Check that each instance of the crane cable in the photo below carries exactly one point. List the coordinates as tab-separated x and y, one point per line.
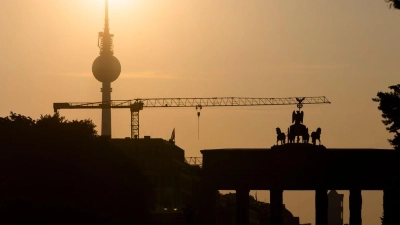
198	109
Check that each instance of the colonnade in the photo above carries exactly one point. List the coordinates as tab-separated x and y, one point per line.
276	203
321	207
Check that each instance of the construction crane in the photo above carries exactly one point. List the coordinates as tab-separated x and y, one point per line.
135	105
196	161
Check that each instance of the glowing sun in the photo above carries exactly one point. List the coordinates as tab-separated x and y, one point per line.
118	2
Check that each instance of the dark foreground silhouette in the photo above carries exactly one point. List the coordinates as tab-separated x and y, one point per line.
389	106
55	171
393	3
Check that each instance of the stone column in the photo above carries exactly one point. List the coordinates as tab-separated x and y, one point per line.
355	201
321	207
389	207
276	206
208	207
242	207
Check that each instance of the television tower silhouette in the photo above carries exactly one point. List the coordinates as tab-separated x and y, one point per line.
106	68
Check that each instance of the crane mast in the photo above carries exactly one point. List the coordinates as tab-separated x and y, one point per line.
135	105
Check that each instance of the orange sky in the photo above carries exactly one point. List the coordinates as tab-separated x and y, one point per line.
345	50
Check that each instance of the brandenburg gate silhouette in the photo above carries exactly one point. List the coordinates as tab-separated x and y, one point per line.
296	166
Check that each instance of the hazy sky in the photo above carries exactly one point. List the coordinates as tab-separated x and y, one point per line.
344	50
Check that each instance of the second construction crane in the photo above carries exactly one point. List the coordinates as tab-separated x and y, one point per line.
135	105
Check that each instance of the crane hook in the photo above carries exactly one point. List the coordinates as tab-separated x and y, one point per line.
198	109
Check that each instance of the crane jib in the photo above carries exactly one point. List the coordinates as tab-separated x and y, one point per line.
135	105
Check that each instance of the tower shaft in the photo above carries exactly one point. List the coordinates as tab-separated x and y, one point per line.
106	49
106	109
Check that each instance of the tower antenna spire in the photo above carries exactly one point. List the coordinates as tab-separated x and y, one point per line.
105	41
106	25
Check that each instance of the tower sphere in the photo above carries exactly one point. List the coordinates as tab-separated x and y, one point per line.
106	68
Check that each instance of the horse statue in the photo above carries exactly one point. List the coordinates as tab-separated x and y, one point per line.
290	136
316	135
280	136
298	129
306	136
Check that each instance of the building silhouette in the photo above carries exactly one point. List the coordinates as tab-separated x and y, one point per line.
259	212
335	208
176	183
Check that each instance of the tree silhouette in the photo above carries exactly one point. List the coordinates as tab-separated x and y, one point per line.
389	104
394	3
55	171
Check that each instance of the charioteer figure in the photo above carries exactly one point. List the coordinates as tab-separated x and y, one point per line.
298	129
297	117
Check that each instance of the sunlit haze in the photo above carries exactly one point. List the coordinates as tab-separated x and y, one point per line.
344	50
115	5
